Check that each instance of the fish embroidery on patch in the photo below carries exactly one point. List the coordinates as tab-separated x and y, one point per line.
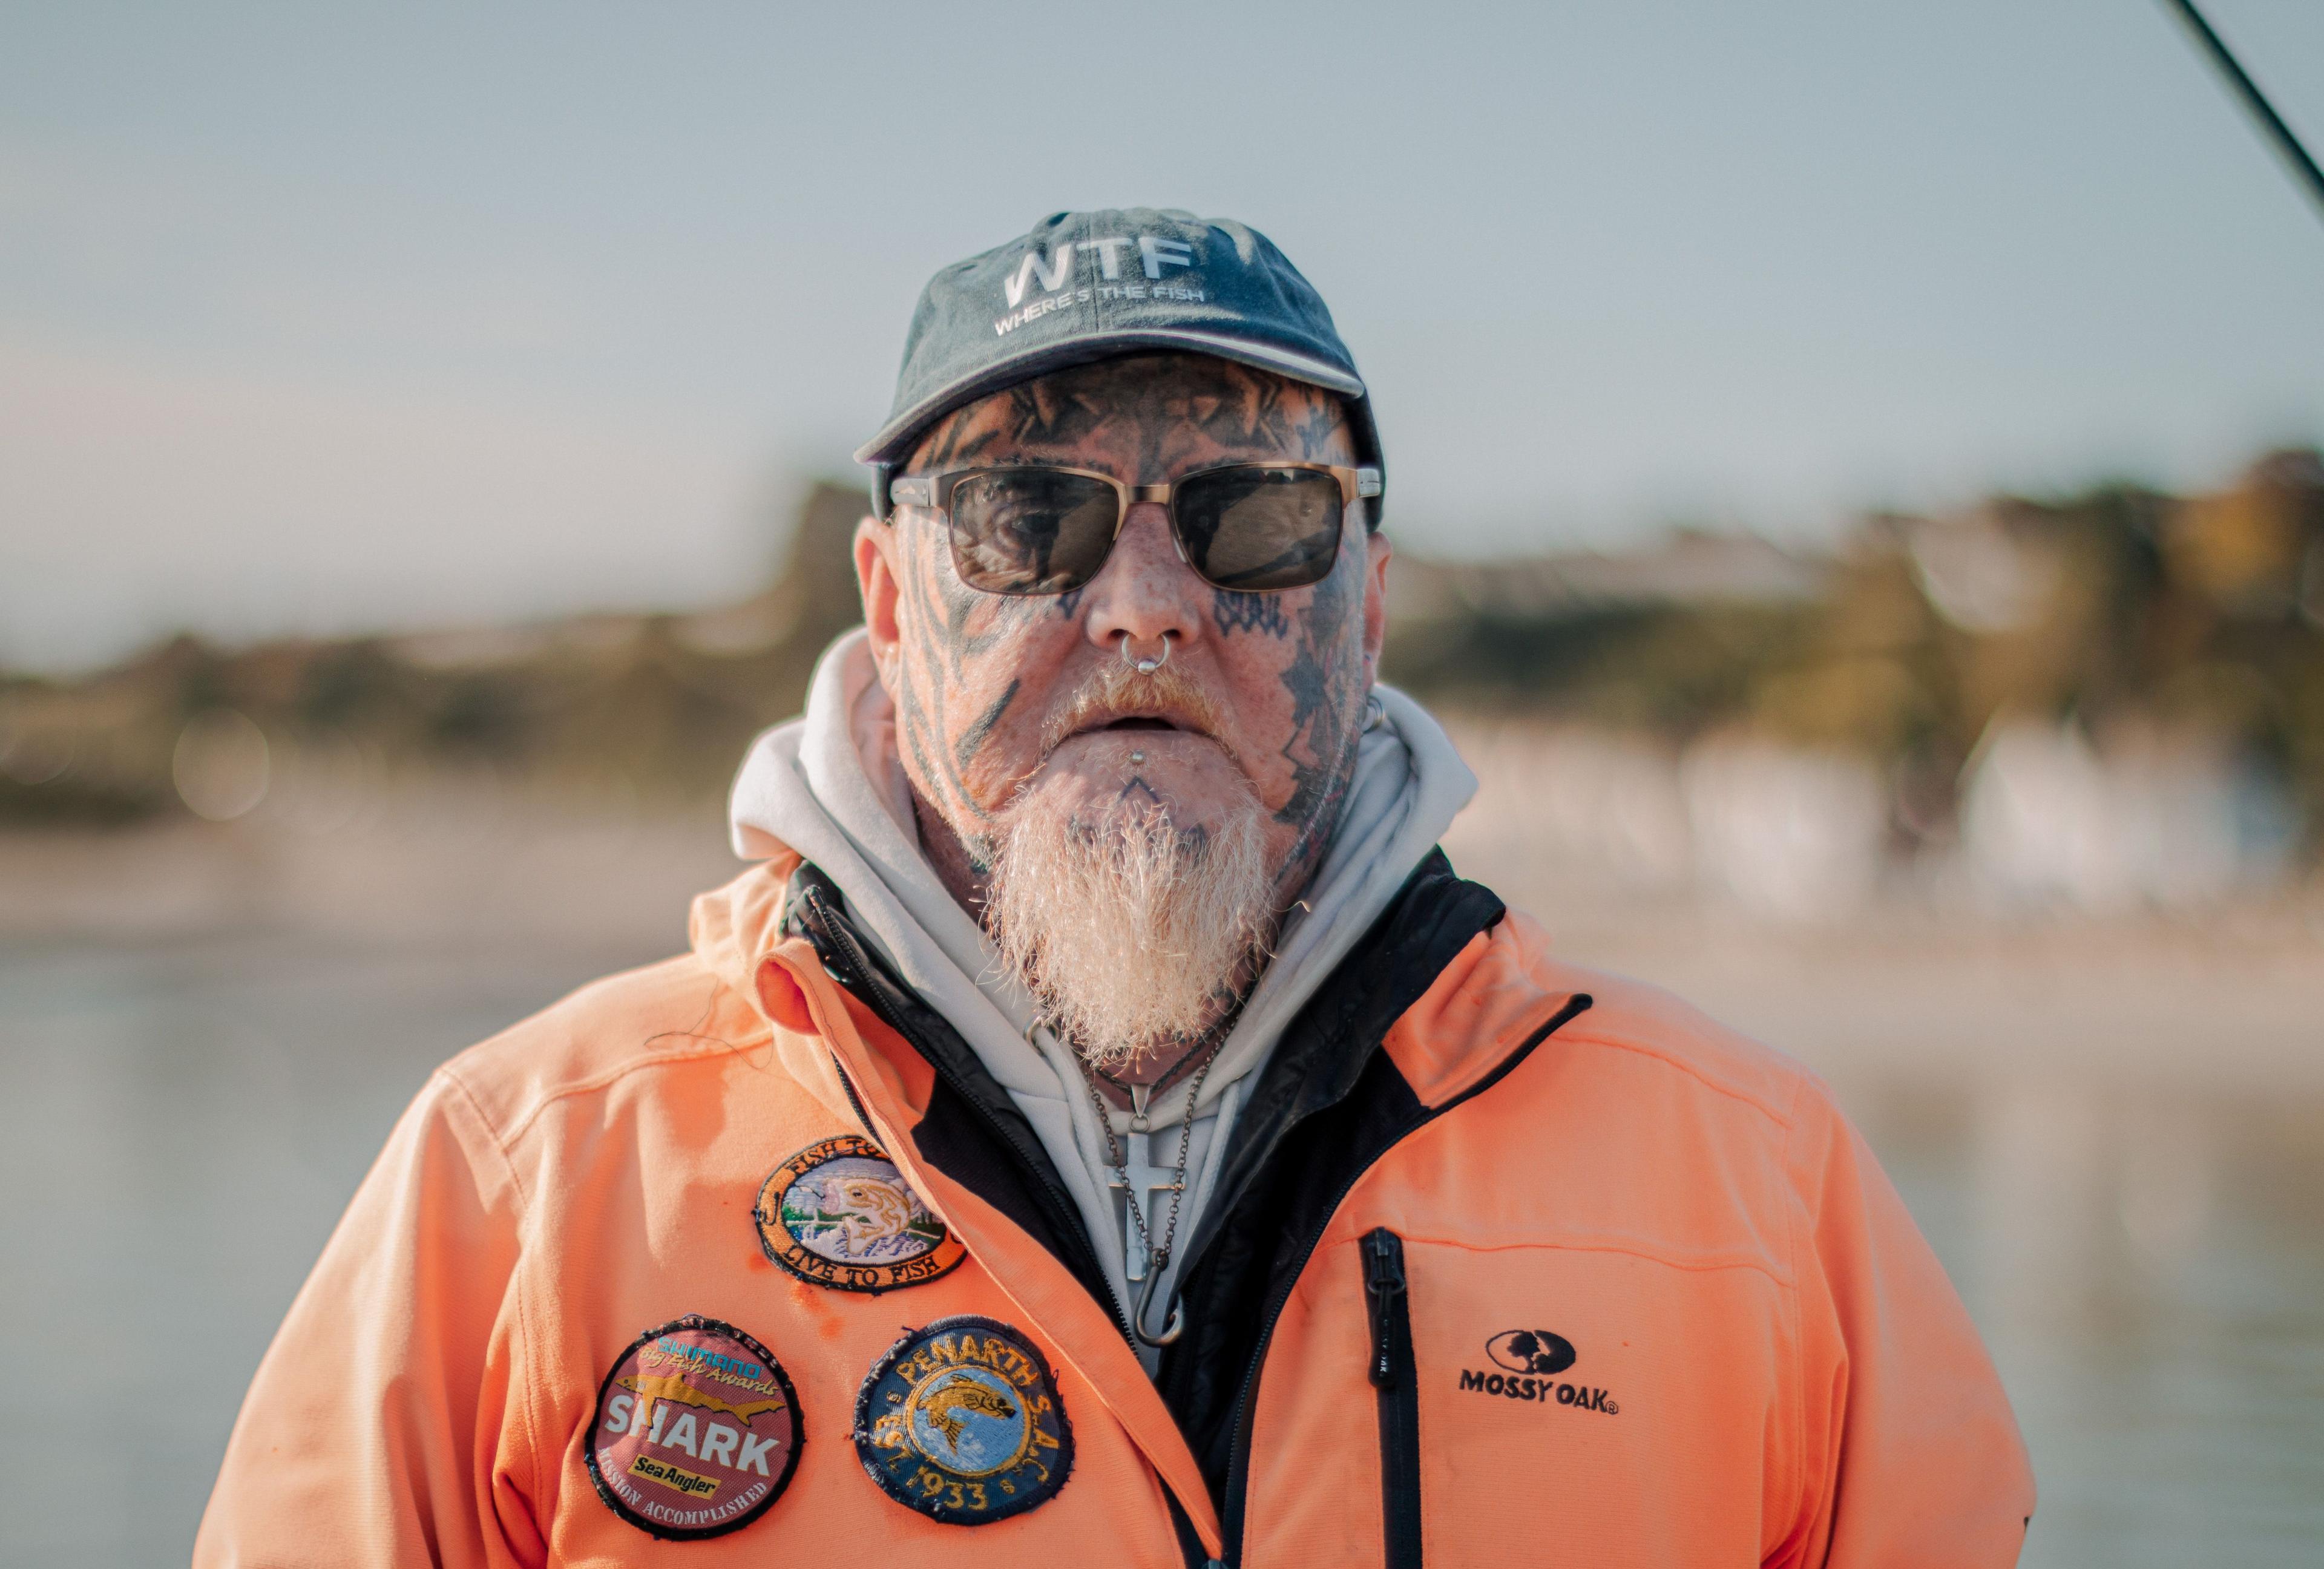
962	1421
839	1214
696	1431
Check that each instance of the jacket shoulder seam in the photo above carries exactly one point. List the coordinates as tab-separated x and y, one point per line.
452	1079
709	1045
1704	1264
529	1390
1782	1119
1795	1206
520	1351
599	1081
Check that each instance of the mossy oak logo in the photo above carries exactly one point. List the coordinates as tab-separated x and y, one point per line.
1531	1351
1527	1362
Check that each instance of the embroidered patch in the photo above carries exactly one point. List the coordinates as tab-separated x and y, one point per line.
839	1214
962	1421
696	1431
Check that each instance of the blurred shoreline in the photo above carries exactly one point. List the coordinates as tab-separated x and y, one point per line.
1913	982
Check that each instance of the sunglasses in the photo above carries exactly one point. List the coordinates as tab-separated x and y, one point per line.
1255	528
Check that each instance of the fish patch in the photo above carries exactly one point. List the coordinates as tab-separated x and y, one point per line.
962	1421
839	1214
696	1431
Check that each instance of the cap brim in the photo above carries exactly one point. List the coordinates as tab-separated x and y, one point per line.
895	437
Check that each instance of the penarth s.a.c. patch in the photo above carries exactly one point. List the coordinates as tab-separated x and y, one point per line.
962	1421
839	1214
696	1431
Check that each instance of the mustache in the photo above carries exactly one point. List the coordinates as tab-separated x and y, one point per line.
1117	690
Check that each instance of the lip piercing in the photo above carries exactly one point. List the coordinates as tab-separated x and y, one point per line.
1137	757
1146	667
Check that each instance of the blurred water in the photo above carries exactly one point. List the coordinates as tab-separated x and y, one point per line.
184	1122
2148	1271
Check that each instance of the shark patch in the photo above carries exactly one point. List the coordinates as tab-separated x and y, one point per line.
962	1421
696	1431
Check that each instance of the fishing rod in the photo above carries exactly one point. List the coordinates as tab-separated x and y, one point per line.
2254	99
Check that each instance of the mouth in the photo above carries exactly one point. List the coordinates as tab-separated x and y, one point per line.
1143	723
1157	731
1141	707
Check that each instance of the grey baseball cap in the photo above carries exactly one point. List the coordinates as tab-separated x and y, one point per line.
1087	286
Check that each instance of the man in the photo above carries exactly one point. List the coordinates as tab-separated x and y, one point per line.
1101	1125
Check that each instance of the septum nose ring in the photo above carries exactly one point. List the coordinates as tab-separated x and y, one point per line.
1146	667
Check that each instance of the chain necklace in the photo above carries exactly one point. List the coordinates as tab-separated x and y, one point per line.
1158	1258
1138	1094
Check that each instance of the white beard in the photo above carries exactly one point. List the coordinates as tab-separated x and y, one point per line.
1130	935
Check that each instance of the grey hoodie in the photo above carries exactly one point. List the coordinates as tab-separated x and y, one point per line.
831	786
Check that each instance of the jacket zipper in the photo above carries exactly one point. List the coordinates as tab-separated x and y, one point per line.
1238	1457
1394	1376
851	954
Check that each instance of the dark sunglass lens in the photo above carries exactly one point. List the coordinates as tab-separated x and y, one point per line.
1255	528
1030	530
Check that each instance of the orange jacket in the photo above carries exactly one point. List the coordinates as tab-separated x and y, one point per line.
1512	1263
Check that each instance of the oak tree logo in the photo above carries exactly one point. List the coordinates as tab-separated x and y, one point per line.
1531	1359
1531	1351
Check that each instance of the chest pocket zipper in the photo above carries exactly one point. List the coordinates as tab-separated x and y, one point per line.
1394	1376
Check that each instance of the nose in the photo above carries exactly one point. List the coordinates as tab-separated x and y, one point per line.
1144	591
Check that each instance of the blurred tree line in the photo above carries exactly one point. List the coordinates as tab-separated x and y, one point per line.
654	706
2121	610
2117	608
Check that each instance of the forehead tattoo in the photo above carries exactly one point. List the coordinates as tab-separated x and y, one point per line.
1167	401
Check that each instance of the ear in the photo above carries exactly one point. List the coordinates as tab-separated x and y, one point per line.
878	568
1376	605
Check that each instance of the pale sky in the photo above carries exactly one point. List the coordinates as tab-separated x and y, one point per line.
313	322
